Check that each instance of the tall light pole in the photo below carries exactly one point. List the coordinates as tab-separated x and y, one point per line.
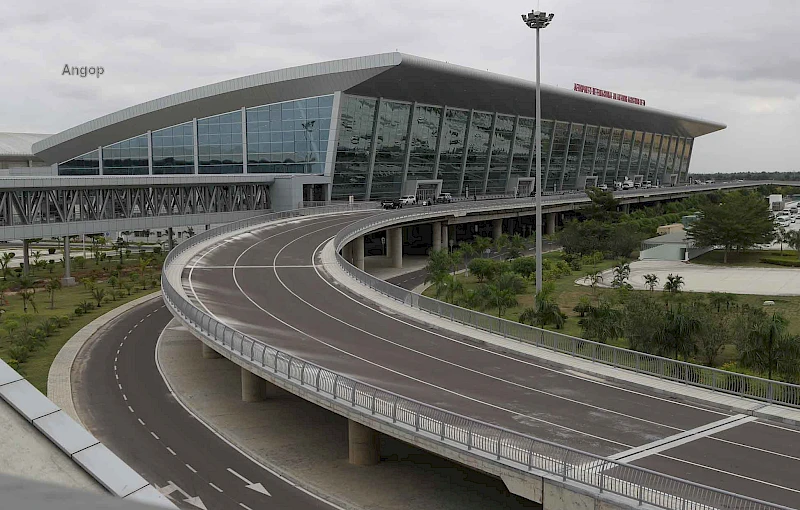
538	20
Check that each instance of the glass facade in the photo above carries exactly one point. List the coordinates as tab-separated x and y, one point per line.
452	149
289	137
390	150
173	150
356	121
501	150
86	164
382	144
128	157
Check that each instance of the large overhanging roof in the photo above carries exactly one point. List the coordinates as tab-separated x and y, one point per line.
389	75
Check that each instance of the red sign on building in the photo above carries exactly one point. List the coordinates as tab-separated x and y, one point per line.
605	93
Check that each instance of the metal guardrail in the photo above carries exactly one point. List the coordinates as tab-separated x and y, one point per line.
519	451
665	368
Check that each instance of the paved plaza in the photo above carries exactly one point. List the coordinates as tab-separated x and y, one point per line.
779	281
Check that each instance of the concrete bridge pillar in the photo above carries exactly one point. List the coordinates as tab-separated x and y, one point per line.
497	229
626	208
395	243
254	388
445	236
209	353
67	280
388	237
358	252
437	236
550	228
26	261
363	444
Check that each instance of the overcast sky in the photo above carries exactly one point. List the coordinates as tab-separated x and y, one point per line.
726	60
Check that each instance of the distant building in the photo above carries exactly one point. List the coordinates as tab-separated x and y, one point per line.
674	246
16	152
669	229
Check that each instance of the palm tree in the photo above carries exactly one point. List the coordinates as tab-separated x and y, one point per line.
762	344
651	280
593	279
622	272
27	292
544	310
5	259
674	283
53	284
503	291
792	238
454	286
144	262
482	244
681	325
602	322
781	236
98	293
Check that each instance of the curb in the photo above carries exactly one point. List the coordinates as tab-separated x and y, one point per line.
59	378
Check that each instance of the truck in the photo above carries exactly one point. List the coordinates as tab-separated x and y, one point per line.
776	202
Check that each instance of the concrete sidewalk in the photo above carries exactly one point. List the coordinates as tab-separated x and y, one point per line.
308	444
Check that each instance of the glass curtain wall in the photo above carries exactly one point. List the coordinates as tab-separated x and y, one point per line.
289	137
501	149
636	152
558	150
452	151
85	164
424	138
173	150
390	150
570	176
624	156
613	156
128	157
652	166
589	147
523	145
477	153
352	152
219	144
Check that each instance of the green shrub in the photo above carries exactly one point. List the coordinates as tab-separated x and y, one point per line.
19	352
777	261
51	251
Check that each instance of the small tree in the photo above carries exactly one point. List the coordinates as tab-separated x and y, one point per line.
674	283
27	292
98	294
5	259
651	280
52	285
622	272
593	279
482	244
482	269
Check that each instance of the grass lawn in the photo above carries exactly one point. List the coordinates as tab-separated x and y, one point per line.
37	366
750	258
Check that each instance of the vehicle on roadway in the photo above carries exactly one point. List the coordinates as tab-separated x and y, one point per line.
391	203
444	198
408	200
603	187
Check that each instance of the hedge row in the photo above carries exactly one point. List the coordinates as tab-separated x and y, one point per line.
781	261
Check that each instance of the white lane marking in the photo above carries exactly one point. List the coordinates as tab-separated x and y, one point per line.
154	435
688	436
252	267
116	376
790	489
115	366
140	421
130	331
240	477
415	379
117	352
193	470
245	506
211	484
140	321
120	386
170	450
125	397
130	409
149	314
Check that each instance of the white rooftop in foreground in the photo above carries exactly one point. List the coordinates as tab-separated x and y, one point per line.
25	452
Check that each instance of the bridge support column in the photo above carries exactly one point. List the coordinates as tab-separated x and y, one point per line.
497	229
209	353
395	244
436	243
626	208
171	238
358	252
445	236
387	236
67	280
26	261
551	224
363	444
254	388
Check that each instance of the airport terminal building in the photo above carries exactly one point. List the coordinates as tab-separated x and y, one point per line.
382	126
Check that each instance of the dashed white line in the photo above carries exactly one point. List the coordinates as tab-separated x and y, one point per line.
170	450
120	386
124	396
193	470
117	377
115	366
130	409
154	435
140	321
130	331
245	506
149	314
211	484
140	421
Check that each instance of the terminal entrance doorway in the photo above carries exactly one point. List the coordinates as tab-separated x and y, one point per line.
426	192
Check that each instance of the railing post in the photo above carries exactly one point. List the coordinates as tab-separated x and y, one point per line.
319	373
289	368
469	435
394	410
353	395
303	374
416	418
374	397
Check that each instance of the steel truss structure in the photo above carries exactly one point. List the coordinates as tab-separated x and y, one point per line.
19	206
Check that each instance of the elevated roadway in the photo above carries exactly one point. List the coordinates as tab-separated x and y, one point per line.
269	284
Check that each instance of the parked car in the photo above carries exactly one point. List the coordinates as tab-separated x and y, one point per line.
603	187
392	203
408	200
444	198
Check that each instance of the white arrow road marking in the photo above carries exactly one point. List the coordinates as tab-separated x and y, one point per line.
196	501
258	487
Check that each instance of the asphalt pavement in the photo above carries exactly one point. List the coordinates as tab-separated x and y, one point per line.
267	284
122	398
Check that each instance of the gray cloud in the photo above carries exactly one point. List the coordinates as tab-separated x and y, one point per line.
725	60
